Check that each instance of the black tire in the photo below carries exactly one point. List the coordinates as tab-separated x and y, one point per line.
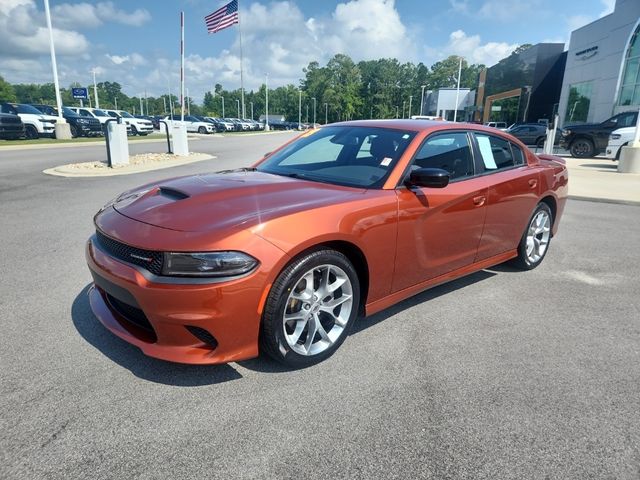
523	261
202	130
134	130
540	142
31	132
582	148
74	131
272	337
620	151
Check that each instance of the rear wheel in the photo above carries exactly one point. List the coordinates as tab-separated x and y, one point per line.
310	309
582	148
30	132
535	240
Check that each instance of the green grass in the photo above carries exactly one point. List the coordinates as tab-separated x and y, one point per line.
46	141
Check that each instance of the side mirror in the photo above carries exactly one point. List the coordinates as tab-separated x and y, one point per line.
429	178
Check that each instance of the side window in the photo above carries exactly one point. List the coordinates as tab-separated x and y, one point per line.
496	152
518	155
448	151
627	120
85	112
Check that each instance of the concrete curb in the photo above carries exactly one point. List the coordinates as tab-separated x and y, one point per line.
67	171
46	146
604	200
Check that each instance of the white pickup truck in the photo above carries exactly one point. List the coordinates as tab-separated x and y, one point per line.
618	139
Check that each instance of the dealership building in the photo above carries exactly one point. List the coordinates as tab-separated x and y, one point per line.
602	74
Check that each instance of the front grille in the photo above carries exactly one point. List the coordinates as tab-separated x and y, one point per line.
131	314
148	259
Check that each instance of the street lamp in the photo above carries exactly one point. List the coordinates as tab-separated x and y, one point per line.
422	100
238	104
266	102
251	103
95	88
299	109
410	99
455	112
326	113
222	99
314	112
403	104
397	108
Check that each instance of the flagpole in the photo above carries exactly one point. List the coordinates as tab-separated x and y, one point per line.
182	66
241	64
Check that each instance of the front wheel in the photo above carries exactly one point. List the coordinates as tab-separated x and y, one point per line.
134	130
31	132
540	142
74	131
310	309
202	130
535	240
582	148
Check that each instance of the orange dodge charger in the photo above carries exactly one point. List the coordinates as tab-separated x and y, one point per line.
345	220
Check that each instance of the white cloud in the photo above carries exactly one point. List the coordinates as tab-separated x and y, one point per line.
87	15
118	59
473	50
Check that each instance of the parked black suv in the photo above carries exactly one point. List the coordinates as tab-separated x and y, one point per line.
11	126
80	125
589	140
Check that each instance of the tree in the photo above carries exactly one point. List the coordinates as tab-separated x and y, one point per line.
522	48
7	93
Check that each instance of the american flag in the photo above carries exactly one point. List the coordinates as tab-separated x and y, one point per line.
223	17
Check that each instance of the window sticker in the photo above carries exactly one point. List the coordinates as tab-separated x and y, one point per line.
487	154
386	161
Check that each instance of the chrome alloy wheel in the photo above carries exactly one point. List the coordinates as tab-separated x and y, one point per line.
318	309
538	236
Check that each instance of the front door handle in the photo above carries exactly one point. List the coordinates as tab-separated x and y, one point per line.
533	183
479	200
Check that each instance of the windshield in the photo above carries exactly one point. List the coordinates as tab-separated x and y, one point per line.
99	113
126	115
28	109
343	155
69	113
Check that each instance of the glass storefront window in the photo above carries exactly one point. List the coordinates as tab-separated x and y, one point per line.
630	88
579	102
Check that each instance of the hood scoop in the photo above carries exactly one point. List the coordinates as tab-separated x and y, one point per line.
172	193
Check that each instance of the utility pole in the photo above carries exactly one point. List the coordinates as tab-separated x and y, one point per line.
238	103
61	132
251	103
410	99
142	109
326	113
146	102
307	113
222	98
403	105
422	100
164	103
396	111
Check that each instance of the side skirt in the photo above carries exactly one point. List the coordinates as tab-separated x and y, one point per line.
378	305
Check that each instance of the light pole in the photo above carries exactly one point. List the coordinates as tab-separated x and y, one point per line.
397	111
238	103
266	102
455	112
422	100
115	100
299	109
403	104
222	99
410	100
95	88
251	103
141	107
62	129
326	113
314	112
307	113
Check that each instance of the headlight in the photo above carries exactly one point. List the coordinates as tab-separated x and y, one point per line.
566	133
615	136
208	264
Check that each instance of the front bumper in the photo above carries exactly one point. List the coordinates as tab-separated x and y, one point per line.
230	311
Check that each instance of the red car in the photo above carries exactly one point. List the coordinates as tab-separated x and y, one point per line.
345	220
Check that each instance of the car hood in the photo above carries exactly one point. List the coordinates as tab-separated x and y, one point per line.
226	200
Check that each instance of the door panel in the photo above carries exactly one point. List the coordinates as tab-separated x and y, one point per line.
439	229
513	194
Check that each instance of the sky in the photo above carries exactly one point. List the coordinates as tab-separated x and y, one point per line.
136	43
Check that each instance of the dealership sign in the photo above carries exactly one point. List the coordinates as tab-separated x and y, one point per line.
80	93
587	53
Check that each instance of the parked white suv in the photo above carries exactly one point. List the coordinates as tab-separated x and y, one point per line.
618	139
139	126
193	124
36	123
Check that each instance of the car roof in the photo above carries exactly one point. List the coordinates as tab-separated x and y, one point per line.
417	125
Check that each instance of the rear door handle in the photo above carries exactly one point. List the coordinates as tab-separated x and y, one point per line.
533	183
479	200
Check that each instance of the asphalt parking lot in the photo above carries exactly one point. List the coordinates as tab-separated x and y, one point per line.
502	374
